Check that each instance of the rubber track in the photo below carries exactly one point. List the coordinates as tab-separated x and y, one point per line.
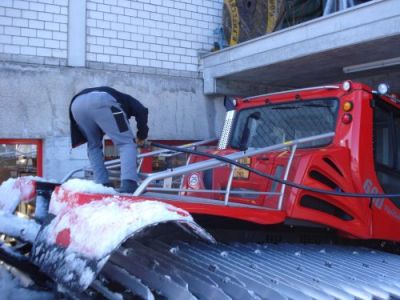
252	271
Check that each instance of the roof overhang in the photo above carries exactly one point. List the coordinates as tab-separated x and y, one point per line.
359	43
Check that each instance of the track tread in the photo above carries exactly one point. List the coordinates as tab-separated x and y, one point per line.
182	270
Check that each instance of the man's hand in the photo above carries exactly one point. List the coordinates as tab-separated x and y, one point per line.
140	142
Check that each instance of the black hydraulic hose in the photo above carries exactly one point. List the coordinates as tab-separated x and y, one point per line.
273	178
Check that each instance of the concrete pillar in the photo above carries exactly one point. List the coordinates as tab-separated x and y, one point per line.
77	33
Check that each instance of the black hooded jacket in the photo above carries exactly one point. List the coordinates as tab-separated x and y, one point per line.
131	107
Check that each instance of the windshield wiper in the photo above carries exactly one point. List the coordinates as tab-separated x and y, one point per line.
317	105
300	106
286	107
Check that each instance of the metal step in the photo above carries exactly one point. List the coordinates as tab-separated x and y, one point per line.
182	270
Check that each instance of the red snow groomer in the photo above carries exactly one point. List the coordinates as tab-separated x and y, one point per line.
301	195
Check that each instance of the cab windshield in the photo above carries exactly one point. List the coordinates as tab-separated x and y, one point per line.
272	124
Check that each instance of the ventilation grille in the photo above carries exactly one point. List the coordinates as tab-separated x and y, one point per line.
325	207
333	165
323	179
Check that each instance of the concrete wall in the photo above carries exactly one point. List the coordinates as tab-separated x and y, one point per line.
34	103
149	49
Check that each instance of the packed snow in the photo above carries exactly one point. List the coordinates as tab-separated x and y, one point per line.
87	186
68	195
19	288
13	191
18	227
16	190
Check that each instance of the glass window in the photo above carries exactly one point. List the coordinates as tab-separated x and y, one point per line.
386	147
20	158
273	124
397	139
387	137
383	139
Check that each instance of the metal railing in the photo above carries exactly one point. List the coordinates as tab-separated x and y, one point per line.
214	163
291	146
116	163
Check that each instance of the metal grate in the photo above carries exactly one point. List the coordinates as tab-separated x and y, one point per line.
226	131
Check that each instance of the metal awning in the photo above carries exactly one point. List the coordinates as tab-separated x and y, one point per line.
360	43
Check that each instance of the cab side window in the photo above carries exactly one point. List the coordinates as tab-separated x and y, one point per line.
397	140
384	138
387	147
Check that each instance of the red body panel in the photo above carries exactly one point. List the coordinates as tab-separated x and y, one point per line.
348	162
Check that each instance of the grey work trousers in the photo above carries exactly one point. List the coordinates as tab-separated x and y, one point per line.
97	113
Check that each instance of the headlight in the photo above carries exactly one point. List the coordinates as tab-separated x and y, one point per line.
346	86
383	88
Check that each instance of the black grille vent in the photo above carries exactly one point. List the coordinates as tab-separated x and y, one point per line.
333	165
323	179
325	207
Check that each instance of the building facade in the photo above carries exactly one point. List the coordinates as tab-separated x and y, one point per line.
52	49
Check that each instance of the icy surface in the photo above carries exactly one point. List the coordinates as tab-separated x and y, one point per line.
13	191
14	226
87	186
10	288
73	187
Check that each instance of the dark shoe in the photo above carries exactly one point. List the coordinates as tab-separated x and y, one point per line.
128	186
108	184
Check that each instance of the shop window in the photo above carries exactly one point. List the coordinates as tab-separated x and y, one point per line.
20	157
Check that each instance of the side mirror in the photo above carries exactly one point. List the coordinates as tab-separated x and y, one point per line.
229	103
249	130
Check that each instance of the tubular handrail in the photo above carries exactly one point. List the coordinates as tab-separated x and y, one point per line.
116	162
213	163
285	176
154	189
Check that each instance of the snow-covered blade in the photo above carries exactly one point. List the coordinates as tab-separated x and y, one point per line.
13	226
16	190
74	246
13	191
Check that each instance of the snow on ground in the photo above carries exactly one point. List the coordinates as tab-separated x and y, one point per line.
12	287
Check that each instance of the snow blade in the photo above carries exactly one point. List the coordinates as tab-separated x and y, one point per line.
74	246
